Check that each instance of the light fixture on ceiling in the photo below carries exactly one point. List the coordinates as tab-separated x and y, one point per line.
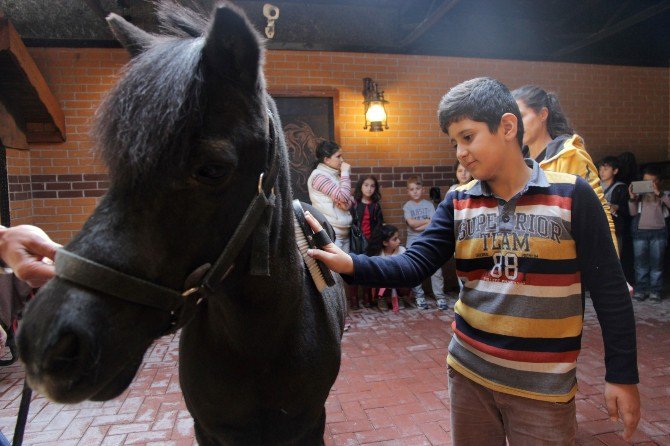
375	106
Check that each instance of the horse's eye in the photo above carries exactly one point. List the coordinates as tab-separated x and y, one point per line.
212	173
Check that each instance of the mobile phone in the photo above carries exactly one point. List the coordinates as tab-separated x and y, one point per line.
642	187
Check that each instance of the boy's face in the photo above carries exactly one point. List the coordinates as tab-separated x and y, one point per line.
415	191
481	152
650	177
607	172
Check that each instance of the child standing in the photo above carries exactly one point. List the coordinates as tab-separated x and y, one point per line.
418	214
385	242
650	237
462	176
616	194
529	242
368	212
368	206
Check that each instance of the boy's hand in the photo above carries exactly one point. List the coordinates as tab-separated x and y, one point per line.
623	403
334	258
632	195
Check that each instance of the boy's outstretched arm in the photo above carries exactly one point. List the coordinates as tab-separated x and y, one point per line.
334	258
623	403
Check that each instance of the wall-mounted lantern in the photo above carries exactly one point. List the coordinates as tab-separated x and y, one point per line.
375	106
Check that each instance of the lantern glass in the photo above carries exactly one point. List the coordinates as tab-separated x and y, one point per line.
376	112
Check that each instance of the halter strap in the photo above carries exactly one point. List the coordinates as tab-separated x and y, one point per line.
224	264
98	277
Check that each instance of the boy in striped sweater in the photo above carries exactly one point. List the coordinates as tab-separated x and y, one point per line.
527	244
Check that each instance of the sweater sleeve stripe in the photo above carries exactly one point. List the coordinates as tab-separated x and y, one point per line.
339	192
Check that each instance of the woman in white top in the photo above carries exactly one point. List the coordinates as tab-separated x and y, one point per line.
329	187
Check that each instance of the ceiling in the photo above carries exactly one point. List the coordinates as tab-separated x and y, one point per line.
619	32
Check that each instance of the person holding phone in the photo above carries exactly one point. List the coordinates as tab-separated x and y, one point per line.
649	206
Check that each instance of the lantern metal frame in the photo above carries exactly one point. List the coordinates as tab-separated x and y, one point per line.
374	98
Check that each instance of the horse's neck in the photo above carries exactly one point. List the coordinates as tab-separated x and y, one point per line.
259	309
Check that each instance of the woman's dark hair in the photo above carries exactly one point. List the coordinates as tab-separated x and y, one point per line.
536	98
324	150
380	235
627	167
358	193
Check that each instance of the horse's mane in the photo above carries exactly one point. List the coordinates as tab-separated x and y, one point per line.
149	116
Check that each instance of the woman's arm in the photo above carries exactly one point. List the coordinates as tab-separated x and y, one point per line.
340	193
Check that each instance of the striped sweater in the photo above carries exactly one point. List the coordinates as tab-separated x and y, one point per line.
524	263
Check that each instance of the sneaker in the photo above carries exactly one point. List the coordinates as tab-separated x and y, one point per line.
654	297
442	304
381	304
639	296
421	303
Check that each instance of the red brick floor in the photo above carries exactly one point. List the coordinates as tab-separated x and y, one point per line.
391	390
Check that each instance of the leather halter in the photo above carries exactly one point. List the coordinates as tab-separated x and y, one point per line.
182	305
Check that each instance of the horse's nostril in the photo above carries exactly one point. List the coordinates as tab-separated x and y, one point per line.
65	356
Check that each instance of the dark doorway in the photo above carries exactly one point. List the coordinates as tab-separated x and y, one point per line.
4	187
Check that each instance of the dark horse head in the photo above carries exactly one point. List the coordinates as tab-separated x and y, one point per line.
186	134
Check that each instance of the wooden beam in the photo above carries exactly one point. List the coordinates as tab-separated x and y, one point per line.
52	129
616	28
428	23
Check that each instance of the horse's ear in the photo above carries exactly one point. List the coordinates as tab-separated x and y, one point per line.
131	37
233	47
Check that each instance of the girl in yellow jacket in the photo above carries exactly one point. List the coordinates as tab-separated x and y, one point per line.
549	139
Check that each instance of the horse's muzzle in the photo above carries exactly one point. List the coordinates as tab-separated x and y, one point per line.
58	347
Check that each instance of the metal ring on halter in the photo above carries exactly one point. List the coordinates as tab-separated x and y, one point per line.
260	183
190	291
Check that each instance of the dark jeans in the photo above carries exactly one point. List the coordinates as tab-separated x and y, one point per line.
649	248
3	440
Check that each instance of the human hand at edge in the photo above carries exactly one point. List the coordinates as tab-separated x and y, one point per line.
24	248
623	403
333	257
657	191
344	205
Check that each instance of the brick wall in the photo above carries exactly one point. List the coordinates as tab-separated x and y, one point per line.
614	108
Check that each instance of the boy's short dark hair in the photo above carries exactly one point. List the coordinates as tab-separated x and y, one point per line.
611	161
482	99
414	179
